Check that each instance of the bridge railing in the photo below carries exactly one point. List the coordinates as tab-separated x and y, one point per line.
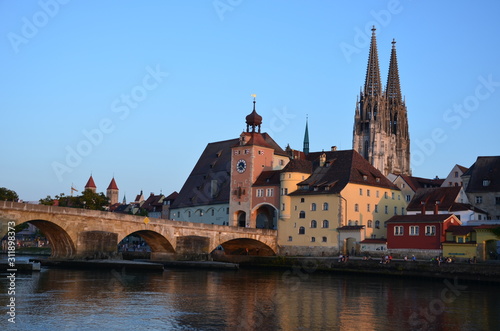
10	205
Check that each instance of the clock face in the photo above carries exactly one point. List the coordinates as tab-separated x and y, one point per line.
241	166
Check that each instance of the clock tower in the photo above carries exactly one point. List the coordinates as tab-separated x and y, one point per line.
252	155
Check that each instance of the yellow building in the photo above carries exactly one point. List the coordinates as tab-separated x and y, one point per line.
467	242
333	204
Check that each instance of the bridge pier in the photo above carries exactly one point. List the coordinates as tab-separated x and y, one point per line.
97	245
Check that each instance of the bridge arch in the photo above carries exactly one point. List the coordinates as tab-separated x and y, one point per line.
156	241
61	244
246	246
265	216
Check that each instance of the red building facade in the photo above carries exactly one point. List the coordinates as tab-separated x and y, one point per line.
419	231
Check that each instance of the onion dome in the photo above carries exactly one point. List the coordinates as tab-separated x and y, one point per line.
253	120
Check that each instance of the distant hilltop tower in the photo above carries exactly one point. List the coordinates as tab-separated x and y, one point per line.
91	185
380	132
112	192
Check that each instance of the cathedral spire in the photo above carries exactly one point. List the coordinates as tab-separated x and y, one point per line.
306	139
393	92
373	84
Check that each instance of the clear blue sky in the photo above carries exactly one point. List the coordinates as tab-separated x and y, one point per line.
136	89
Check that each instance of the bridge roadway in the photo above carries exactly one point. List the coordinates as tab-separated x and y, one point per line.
82	233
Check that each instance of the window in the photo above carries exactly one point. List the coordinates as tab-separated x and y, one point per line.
213	212
392	195
302	214
325	206
486	182
313	206
413	230
189	213
430	230
260	192
377	194
456	174
398	230
395	210
408	198
326	224
269	192
302	230
302	199
314	224
386	209
479	199
376	208
368	207
370	223
360	191
323	239
282	206
290	238
313	239
356	207
377	224
367	193
386	195
497	200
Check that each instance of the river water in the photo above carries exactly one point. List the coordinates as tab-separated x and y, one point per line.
300	298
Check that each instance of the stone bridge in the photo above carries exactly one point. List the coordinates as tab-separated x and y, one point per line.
83	233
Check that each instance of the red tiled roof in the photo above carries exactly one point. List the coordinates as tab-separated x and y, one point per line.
418	182
445	195
90	183
268	178
428	218
298	165
486	168
112	185
341	168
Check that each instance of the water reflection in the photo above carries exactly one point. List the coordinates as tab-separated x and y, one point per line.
247	300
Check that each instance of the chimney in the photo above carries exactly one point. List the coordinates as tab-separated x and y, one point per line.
436	207
422	204
334	148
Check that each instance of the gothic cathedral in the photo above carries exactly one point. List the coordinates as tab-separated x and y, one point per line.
380	123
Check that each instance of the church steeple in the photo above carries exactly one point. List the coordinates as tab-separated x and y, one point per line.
373	84
380	121
306	140
393	92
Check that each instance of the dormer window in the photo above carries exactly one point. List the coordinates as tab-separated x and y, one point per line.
377	179
365	177
486	182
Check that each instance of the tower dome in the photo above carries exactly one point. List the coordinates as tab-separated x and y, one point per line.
253	120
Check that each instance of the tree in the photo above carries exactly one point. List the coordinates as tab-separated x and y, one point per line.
48	201
8	195
88	200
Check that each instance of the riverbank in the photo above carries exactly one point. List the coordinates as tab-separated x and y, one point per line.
480	272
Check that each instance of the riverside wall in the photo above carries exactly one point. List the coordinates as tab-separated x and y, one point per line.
481	272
